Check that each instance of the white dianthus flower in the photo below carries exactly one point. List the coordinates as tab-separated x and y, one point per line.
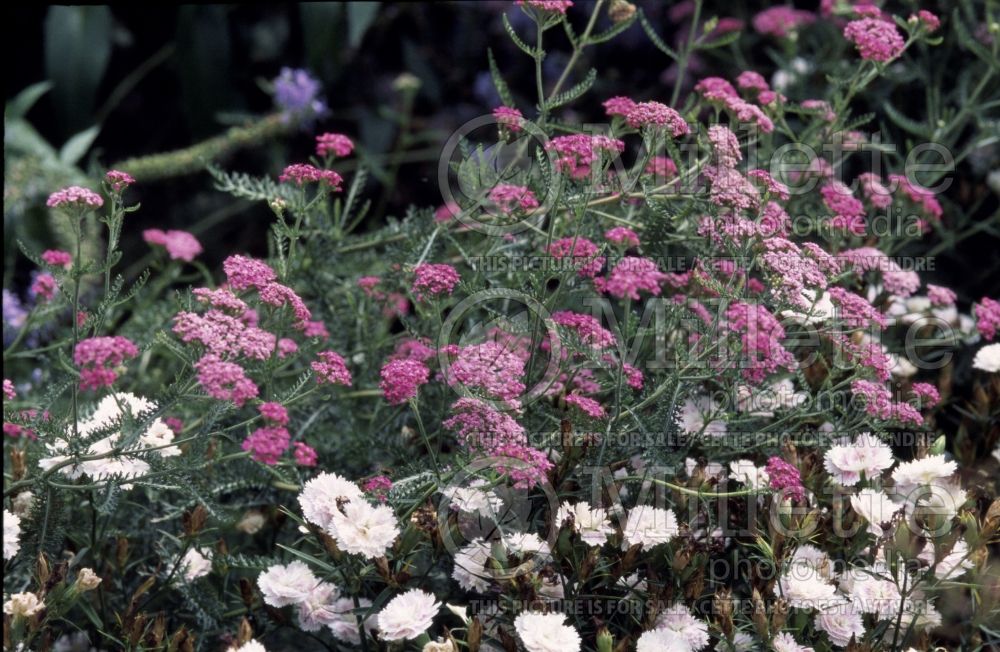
650	526
365	530
753	476
591	524
742	642
928	470
784	642
952	565
322	496
11	535
345	626
524	544
408	615
470	566
662	640
679	620
840	624
875	595
249	646
546	633
477	498
988	358
23	604
806	587
285	585
813	559
848	460
876	508
319	609
195	564
696	414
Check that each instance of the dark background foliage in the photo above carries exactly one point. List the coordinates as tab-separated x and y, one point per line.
161	77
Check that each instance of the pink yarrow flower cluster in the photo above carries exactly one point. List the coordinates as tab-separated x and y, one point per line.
781	21
876	39
484	431
118	180
180	245
303	173
555	6
760	335
225	381
74	197
97	358
402	378
587	328
622	236
720	91
274	413
577	154
44	286
378	487
631	275
878	402
305	455
655	114
509	118
587	405
510	198
434	279
8	389
490	367
333	144
267	444
583	255
331	368
987	313
848	211
782	476
57	258
245	273
940	296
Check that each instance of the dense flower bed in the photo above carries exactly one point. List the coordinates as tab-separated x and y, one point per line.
651	385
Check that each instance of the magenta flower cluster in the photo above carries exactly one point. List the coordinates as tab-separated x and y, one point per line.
98	357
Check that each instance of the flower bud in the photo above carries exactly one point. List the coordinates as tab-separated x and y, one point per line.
251	523
439	646
87	580
475	635
759	615
620	10
779	615
605	641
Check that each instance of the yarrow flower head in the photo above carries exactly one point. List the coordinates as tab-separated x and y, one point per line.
554	6
785	477
509	118
244	273
618	106
577	154
43	286
226	381
118	180
267	444
97	358
304	454
987	313
303	173
57	258
434	279
782	21
655	114
876	39
334	144
622	236
510	198
582	253
74	197
402	378
331	368
587	405
180	245
631	275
